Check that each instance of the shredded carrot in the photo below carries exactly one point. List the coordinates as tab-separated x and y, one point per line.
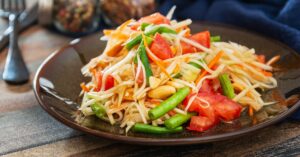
84	87
261	58
156	60
250	111
269	74
248	94
210	65
238	86
273	60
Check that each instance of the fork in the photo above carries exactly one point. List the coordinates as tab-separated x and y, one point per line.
15	70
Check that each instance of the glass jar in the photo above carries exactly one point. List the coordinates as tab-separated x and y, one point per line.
115	12
70	16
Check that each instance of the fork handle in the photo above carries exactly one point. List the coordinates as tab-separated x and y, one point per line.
15	70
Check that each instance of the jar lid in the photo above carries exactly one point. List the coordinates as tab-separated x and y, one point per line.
45	12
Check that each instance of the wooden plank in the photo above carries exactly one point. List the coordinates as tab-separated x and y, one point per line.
29	128
287	148
63	148
20	97
282	137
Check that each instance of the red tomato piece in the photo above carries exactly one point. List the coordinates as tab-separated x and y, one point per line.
161	48
202	38
187	48
227	110
193	107
220	108
201	123
224	108
109	83
207	87
202	108
155	18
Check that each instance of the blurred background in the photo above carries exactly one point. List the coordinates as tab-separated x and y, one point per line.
52	23
76	18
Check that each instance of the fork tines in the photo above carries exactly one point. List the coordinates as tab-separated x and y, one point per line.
12	6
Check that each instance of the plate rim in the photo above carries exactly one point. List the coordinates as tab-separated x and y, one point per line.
150	140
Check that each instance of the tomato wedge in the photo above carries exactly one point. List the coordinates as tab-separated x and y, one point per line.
200	107
155	18
207	87
219	108
109	83
202	38
224	108
200	123
187	48
161	48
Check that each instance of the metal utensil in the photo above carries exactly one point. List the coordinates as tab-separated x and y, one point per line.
15	70
26	19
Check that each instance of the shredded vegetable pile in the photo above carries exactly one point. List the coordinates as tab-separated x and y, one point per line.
154	76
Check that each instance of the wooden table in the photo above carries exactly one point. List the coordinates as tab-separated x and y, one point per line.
27	130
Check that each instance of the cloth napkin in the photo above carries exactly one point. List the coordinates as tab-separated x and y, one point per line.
278	19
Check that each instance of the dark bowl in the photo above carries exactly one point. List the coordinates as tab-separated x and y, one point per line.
56	87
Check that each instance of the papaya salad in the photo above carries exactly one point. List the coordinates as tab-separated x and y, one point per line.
155	76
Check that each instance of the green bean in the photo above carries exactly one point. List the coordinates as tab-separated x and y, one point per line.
149	41
215	38
145	61
226	86
133	42
98	109
163	29
137	40
169	104
144	25
178	120
159	29
144	128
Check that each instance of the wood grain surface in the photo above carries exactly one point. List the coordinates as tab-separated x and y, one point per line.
27	130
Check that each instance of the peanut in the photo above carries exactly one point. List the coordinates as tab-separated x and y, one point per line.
161	92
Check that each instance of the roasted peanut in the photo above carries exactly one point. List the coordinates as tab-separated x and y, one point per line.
162	92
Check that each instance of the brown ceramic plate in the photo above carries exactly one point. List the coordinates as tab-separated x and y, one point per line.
56	87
